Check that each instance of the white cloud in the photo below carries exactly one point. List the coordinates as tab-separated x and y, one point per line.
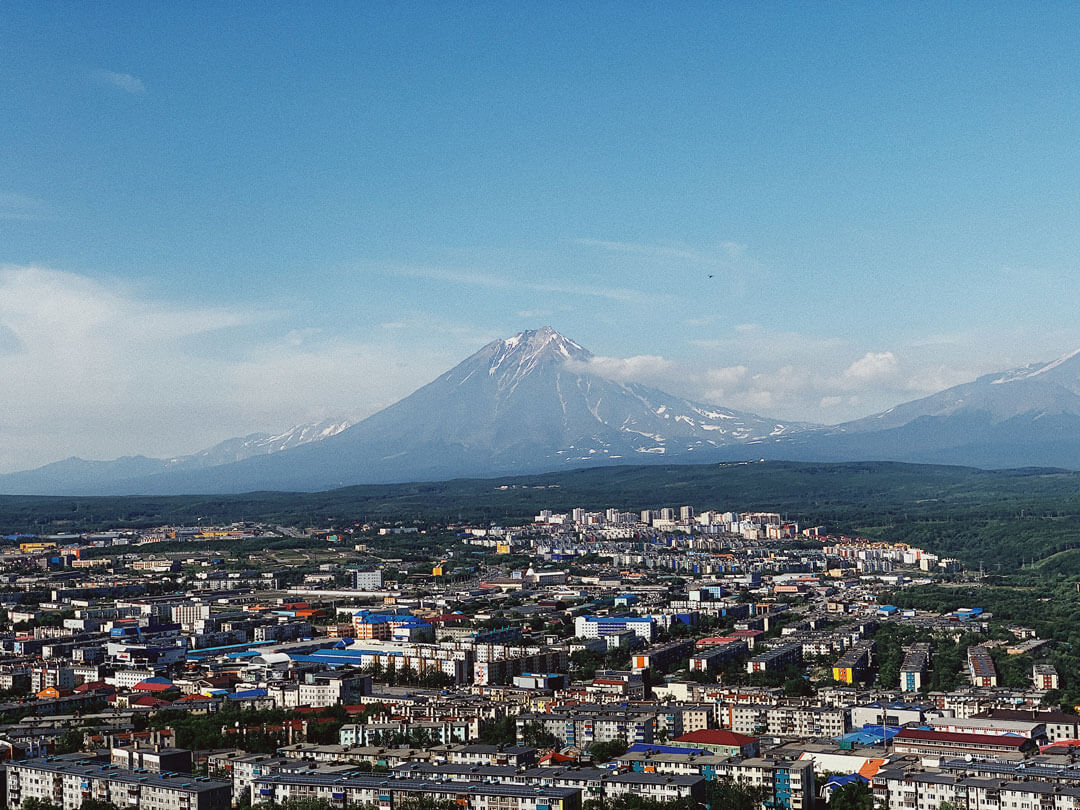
97	368
833	402
640	368
732	375
123	81
872	366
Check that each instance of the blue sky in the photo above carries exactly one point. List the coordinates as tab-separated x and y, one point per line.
221	218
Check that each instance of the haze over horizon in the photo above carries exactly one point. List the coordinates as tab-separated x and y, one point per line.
219	220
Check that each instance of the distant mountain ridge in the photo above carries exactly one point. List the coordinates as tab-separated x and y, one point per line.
531	403
1024	417
521	405
77	476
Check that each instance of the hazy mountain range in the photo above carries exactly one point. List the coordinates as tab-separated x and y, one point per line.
530	404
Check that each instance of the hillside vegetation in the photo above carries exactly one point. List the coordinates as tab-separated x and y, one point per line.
1001	518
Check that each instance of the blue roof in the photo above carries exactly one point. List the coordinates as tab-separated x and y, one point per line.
341	657
203	652
870	735
846	779
899	704
247	694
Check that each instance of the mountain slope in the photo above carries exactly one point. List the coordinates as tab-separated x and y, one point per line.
522	405
531	404
77	476
1028	416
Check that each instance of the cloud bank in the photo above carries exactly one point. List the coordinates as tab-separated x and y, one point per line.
101	369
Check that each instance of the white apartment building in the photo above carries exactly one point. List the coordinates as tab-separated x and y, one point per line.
44	676
69	783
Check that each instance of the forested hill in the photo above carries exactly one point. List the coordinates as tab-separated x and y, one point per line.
997	517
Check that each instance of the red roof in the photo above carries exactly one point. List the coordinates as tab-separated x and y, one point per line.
555	756
716	736
155	684
149	700
1061	746
446	618
915	734
94	686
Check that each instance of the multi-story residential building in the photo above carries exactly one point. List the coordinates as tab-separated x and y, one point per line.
283	631
744	718
320	690
788	784
1032	727
440	732
385	793
45	676
715	656
242	769
913	669
479	754
805	721
584	729
188	613
981	667
660	657
657	788
503	669
597	626
1045	676
69	782
774	659
456	662
154	759
367	580
127	678
855	663
928	790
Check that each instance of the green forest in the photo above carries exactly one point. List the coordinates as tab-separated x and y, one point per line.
1049	606
1000	519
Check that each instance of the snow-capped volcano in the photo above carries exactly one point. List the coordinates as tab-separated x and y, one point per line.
534	402
529	403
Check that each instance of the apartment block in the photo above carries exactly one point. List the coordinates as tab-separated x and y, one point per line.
777	658
70	782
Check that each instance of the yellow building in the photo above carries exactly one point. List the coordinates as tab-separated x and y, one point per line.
32	548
